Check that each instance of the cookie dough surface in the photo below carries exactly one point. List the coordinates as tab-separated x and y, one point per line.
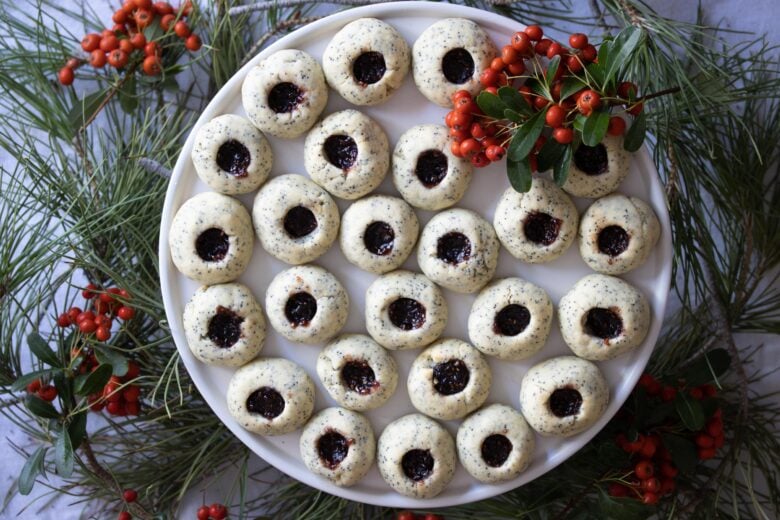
347	153
295	219
618	233
495	443
537	226
357	372
563	396
306	304
404	310
338	444
224	325
599	170
510	319
211	238
367	61
270	396
231	155
449	56
458	250
378	233
416	456
449	379
285	94
602	317
425	172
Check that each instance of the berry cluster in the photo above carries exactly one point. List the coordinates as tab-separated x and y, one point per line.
484	139
409	515
118	397
215	511
97	319
127	42
129	496
46	392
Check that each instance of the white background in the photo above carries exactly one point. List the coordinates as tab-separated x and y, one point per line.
757	16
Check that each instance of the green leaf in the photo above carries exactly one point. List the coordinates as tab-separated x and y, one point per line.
707	368
571	85
605	52
659	413
513	99
552	69
636	134
595	128
512	115
690	411
64	386
683	451
113	358
41	350
549	154
627	508
620	54
24	380
596	71
77	429
127	97
525	136
41	408
561	168
63	455
579	122
95	381
83	110
491	105
32	468
519	173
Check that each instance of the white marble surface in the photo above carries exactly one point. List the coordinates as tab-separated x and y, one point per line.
758	16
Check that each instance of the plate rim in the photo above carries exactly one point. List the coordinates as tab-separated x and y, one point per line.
167	270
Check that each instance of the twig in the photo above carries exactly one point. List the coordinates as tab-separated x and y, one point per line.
109	96
152	166
672	182
281	26
633	15
670	90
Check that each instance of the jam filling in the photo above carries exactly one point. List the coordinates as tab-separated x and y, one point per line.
541	228
369	67
359	377
417	464
457	66
613	240
565	402
300	309
265	401
511	320
450	377
299	222
431	168
212	245
225	327
495	450
332	448
592	160
603	323
341	151
407	314
284	97
453	248
233	157
379	238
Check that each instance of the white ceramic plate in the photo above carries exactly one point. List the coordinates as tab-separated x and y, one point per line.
404	109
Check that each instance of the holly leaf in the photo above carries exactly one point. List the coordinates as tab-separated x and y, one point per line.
63	454
32	468
82	111
41	408
690	411
636	134
24	380
127	97
561	167
41	350
595	128
684	453
526	135
94	381
621	50
552	69
707	368
519	173
77	429
113	358
491	105
513	99
549	154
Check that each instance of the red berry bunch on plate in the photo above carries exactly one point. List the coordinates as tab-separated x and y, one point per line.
215	511
142	31
101	309
541	99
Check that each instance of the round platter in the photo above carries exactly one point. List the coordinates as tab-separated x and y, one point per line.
407	108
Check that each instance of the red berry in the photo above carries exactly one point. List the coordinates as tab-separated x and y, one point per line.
489	78
720	440
517	68
114	408
119	16
533	163
186	8
668	470
203	513
477	131
63	320
117	58
588	101
521	42
90	42
124	515
540	102
652	485
138	40
431	516
542	47
667	486
125	313
88	292
34	386
143	4
526	93
539	143
709	390
509	54
495	153
578	41
650	498
102	333
131	393
654	389
109	43
167	21
534	32
218	511
143	18
133	408
497	64
648	448
133	370
627	90
152	65
493	90
461	120
706	453
126	45
715	427
86	315
405	515
459	135
644	469
464	104
130	495
636	109
469	146
555	116
73	314
704	441
646	380
480	160
461	94
162	8
588	54
563	135
181	29
193	43
105	33
696	393
455	148
87	326
97	58
574	64
47	393
555	49
617	490
65	76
